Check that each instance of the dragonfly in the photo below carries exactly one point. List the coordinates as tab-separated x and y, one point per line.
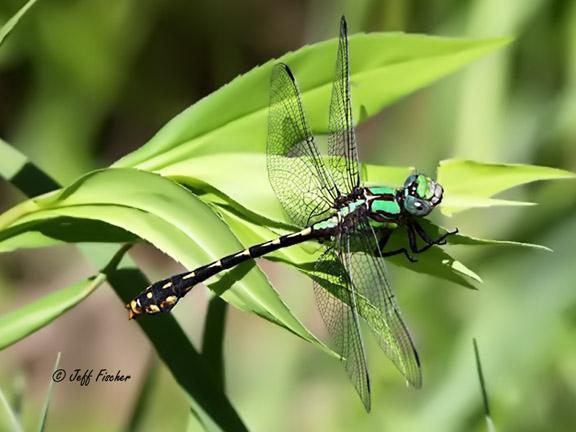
352	224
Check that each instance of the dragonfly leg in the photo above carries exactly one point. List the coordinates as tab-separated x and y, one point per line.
382	243
440	240
398	252
415	228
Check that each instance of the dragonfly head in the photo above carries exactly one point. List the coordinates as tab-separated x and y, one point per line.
421	195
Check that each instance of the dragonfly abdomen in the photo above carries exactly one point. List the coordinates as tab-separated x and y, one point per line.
163	295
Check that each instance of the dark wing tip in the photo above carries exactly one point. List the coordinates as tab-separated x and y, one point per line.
367	399
288	71
280	68
343	25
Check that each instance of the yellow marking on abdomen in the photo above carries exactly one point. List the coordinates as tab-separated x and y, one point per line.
152	309
189	275
169	301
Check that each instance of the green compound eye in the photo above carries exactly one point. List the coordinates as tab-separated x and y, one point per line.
423	188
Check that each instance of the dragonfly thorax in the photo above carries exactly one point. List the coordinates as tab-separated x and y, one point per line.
390	206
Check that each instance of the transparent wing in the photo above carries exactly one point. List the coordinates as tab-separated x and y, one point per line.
343	163
295	169
376	302
336	302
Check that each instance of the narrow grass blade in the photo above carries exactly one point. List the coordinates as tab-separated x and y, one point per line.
136	421
13	421
18	324
22	322
11	23
489	423
44	414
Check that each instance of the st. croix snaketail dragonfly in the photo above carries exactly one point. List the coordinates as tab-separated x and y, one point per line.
351	222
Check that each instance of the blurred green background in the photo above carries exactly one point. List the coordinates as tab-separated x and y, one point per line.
83	82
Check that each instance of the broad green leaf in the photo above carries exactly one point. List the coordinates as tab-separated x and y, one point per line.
259	199
63	230
170	342
435	231
220	173
11	23
27	240
384	68
167	215
470	184
435	262
228	174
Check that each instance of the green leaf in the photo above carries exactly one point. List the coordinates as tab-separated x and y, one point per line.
7	28
18	170
233	119
219	174
168	216
242	204
438	263
27	240
18	324
167	337
434	231
468	184
63	230
435	262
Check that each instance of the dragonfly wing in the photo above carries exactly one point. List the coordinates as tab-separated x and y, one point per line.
295	169
335	300
376	302
343	163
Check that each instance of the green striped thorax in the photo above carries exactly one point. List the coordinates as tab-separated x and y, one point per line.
388	207
418	197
